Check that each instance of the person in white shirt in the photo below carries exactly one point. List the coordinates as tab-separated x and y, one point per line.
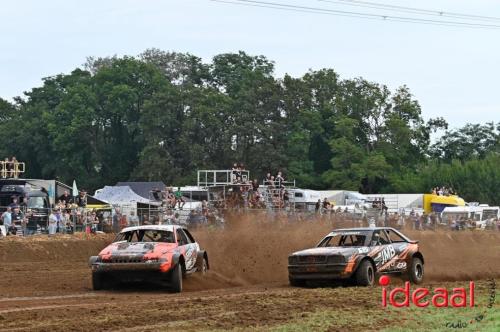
52	222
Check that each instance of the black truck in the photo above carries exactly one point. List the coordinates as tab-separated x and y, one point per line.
29	196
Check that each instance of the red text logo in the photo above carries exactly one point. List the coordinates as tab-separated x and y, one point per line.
422	297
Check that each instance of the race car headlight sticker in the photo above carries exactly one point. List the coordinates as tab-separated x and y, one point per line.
163	260
152	260
336	259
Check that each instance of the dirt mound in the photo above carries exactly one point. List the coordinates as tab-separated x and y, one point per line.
57	249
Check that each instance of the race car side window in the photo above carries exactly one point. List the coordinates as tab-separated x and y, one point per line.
379	238
189	236
181	237
395	237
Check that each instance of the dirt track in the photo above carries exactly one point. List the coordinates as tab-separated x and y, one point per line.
45	283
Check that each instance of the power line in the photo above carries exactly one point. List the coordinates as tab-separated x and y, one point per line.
413	10
332	12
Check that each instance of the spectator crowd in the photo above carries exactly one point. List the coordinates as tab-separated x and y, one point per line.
443	191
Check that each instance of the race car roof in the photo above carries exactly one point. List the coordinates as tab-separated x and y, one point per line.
367	229
358	229
170	228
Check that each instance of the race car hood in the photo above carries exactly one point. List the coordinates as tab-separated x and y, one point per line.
327	251
137	248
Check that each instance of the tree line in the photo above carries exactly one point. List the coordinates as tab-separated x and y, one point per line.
163	115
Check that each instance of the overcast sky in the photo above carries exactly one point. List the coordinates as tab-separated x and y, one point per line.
453	72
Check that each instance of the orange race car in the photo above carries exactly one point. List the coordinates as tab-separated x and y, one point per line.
358	254
163	254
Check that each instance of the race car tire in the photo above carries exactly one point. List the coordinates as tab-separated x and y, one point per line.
176	279
365	274
416	271
204	266
97	281
297	282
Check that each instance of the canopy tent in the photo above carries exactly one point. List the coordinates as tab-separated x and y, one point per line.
94	203
144	189
122	195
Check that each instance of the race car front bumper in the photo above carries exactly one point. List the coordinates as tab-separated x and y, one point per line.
108	267
132	271
129	263
318	271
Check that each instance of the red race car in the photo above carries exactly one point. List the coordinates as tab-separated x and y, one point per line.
163	254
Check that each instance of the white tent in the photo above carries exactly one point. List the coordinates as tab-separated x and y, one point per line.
122	196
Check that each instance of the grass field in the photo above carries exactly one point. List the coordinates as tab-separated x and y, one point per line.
369	315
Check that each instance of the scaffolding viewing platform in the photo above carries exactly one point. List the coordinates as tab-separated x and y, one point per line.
235	189
211	178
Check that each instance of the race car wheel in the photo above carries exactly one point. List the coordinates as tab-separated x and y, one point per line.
416	271
365	274
297	282
204	267
176	280
97	281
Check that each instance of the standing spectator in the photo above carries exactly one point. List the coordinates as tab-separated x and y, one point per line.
286	198
401	221
279	180
255	185
116	221
267	179
93	221
14	203
18	220
81	199
234	172
133	219
65	224
123	221
326	204
53	223
239	170
31	223
169	218
204	208
24	204
179	199
318	205
271	183
66	198
6	219
416	222
15	165
169	198
10	167
383	206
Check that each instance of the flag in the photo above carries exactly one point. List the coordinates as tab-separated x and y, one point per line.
75	189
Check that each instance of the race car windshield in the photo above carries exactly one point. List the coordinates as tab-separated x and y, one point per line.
348	239
149	235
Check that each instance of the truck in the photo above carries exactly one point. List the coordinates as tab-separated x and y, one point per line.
54	188
37	198
40	195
